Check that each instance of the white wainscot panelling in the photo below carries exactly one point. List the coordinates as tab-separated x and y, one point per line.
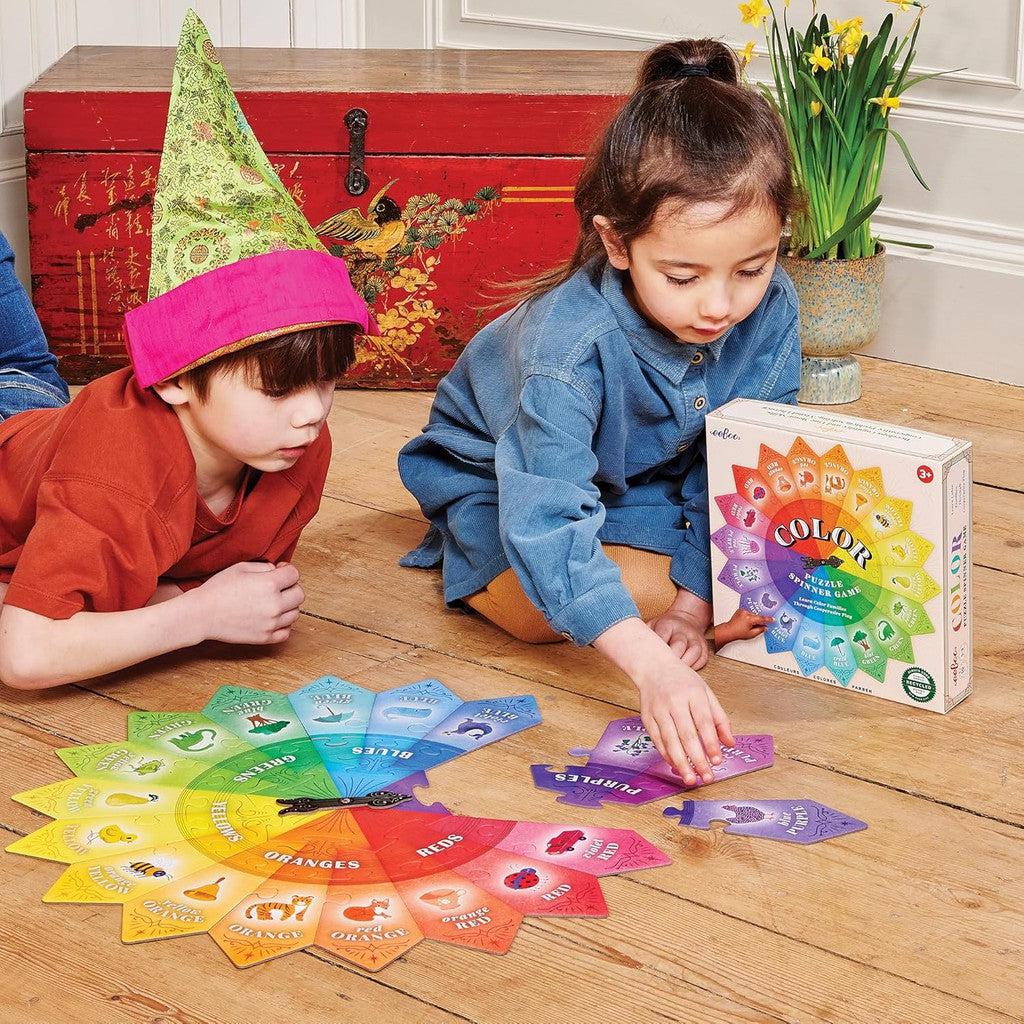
952	315
990	50
158	22
401	24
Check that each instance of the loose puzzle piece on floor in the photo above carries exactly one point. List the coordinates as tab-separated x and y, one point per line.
791	821
265	821
625	767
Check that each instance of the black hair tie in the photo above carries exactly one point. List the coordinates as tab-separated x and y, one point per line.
692	70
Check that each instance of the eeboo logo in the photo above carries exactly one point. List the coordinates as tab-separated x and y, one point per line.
725	434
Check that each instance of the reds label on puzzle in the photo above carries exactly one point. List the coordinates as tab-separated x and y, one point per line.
855	538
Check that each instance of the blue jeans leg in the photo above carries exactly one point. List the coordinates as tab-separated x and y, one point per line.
28	370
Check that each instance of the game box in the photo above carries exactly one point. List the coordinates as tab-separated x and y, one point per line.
855	538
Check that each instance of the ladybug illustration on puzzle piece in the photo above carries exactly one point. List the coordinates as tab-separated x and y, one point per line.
527	878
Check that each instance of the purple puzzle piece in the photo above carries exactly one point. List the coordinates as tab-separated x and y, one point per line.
408	786
625	767
750	754
791	821
626	744
589	786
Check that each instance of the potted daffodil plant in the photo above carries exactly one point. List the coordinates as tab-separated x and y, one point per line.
834	85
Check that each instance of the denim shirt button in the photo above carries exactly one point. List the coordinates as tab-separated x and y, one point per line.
682	446
700	403
566	636
698	358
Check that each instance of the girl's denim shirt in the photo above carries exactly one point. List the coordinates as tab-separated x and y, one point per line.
570	421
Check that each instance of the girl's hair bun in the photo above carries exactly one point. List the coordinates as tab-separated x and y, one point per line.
696	58
677	140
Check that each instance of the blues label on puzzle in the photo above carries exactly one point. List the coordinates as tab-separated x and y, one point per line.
791	821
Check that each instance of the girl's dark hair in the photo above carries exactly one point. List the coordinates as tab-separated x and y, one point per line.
286	363
683	138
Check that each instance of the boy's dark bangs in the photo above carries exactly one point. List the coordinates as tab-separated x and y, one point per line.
300	359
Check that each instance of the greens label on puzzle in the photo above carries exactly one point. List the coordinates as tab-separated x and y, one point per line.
855	538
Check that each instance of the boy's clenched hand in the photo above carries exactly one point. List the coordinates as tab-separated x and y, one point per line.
248	603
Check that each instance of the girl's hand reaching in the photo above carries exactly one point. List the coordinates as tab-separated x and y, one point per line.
685	720
679	711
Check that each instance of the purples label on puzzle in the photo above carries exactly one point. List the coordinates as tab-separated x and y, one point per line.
854	537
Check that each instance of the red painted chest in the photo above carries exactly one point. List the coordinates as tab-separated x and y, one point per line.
469	159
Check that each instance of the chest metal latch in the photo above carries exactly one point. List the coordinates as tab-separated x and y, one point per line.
357	181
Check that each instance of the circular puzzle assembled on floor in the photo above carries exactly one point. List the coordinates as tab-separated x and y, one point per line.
277	822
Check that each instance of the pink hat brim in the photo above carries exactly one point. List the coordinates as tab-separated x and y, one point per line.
238	304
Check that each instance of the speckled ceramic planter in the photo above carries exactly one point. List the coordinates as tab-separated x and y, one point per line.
840	309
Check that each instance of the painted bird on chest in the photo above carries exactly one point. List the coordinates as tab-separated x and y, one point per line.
376	234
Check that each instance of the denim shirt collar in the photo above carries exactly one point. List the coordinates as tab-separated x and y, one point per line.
667	355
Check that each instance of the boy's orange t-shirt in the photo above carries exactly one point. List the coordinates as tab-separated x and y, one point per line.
98	503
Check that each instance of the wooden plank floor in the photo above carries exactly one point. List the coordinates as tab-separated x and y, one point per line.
920	919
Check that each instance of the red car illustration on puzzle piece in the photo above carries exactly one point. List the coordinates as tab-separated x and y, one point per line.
565	841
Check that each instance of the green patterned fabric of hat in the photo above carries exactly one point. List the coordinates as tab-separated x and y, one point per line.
218	200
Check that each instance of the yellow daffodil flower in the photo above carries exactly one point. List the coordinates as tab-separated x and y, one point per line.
886	101
746	55
818	59
849	44
815	108
901	4
849	33
754	12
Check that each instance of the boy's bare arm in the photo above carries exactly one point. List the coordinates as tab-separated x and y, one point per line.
249	603
37	652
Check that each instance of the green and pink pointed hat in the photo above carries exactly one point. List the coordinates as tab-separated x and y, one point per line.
234	261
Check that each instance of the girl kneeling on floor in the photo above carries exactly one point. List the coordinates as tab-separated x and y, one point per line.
563	466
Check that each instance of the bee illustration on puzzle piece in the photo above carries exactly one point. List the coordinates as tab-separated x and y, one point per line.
143	869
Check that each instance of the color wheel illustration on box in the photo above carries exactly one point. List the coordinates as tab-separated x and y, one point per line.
818	545
276	822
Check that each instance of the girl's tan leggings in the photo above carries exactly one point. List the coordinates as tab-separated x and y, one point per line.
505	603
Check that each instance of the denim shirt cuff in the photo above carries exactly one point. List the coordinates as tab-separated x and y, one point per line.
586	618
427	554
691	569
